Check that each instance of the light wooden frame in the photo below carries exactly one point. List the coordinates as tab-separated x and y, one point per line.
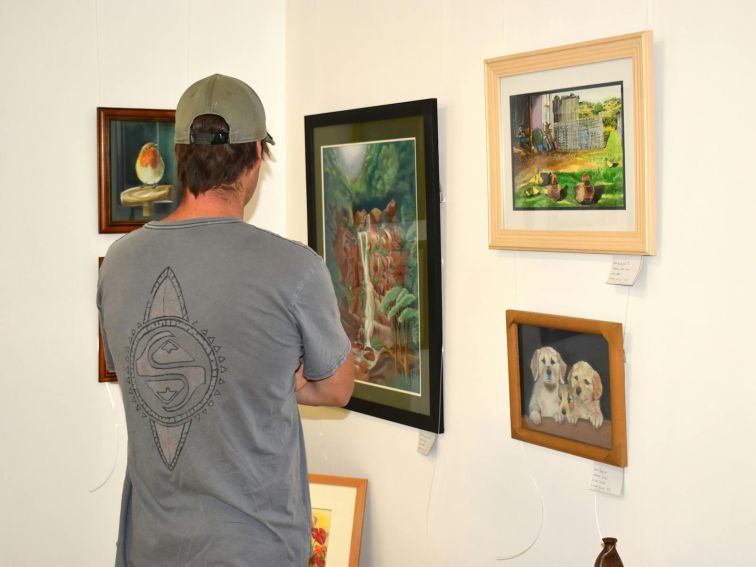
641	240
358	489
614	384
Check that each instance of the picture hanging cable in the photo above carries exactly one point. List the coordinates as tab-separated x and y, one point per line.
117	443
540	500
435	457
624	332
595	511
627	314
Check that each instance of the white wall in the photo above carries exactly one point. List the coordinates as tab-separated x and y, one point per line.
689	499
59	434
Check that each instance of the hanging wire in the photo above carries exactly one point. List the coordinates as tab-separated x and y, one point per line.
98	51
435	458
624	332
522	450
430	495
596	514
540	500
117	442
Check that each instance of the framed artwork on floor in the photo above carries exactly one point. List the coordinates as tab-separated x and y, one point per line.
338	508
567	385
373	214
136	168
571	147
103	374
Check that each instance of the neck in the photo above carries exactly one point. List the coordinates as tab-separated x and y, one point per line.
212	203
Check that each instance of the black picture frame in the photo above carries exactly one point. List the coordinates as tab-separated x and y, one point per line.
373	209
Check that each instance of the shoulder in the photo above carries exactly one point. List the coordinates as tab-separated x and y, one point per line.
121	246
286	249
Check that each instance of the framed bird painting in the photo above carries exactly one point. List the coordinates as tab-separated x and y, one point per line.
136	167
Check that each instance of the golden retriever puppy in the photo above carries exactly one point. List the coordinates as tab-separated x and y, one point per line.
548	370
585	385
567	403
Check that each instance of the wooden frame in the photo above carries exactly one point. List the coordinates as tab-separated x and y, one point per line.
339	503
373	214
571	147
136	183
583	411
103	374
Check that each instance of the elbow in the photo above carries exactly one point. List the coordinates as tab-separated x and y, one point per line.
343	397
346	382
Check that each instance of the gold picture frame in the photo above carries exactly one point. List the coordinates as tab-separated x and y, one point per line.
338	508
567	385
571	148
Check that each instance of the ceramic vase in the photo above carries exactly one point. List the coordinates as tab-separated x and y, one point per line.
609	556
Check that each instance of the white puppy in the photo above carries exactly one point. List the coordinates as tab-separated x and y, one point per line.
567	403
548	370
585	385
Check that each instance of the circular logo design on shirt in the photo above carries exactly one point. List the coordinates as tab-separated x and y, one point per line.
173	369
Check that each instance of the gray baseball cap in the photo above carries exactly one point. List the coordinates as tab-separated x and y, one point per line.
231	99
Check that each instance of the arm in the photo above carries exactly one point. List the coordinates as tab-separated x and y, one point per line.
332	391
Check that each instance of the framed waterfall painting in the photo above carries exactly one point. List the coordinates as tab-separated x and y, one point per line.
571	148
373	214
136	169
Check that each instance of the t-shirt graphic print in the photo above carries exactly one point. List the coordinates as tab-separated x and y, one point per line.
173	368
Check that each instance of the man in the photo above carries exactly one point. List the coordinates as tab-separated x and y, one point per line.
206	321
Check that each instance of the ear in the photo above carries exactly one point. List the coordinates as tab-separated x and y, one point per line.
259	161
597	387
562	369
534	364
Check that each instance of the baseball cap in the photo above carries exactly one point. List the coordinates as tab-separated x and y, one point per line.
227	97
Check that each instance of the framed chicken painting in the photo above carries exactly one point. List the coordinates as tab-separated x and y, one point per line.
373	214
136	167
571	147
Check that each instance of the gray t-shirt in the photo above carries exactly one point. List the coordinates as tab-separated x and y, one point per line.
204	322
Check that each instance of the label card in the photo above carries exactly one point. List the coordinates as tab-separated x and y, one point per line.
625	270
425	442
607	479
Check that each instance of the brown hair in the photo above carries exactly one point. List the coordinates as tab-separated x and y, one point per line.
201	167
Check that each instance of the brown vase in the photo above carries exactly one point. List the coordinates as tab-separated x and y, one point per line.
609	556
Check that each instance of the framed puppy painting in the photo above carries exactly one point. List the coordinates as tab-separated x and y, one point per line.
567	385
